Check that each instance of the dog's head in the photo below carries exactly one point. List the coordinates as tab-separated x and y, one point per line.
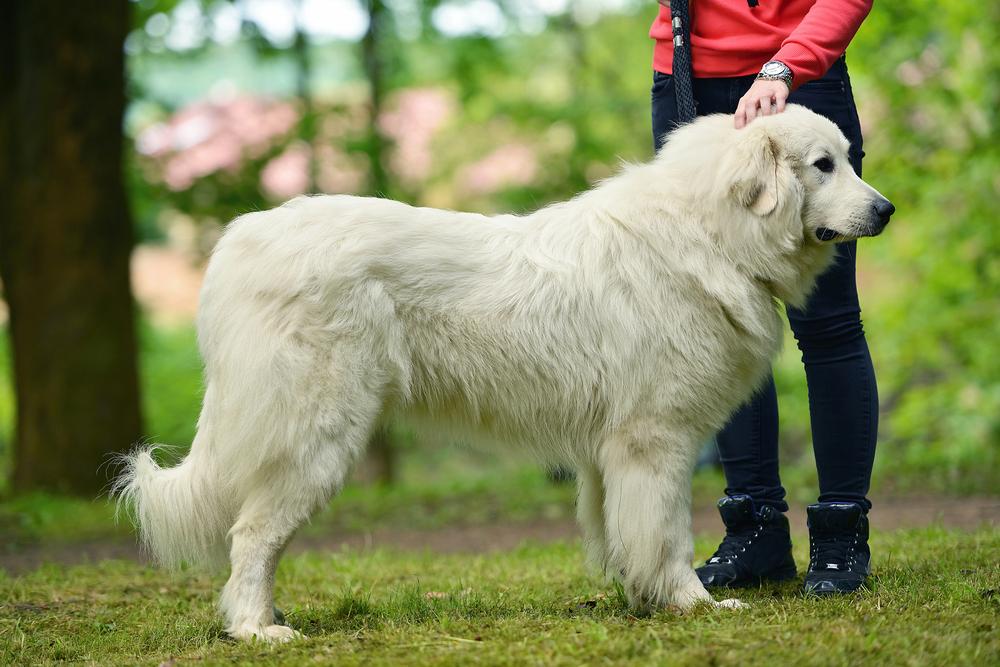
792	171
777	194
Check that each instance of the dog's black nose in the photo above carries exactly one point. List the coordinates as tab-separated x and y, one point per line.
884	210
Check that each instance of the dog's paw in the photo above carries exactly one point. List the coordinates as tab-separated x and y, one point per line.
731	603
272	634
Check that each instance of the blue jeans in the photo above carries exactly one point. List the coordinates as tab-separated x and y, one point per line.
843	397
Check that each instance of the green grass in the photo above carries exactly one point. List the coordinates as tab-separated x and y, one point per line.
934	600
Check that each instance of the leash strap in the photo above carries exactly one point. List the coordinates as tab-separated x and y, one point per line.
680	21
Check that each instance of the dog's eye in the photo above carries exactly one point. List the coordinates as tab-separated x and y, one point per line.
824	164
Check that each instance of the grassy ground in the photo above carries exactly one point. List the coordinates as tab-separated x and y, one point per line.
934	600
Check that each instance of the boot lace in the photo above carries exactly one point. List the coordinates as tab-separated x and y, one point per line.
832	552
734	544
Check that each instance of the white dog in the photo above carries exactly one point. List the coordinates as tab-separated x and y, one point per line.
613	333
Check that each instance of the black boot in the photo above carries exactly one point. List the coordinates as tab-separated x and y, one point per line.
757	546
838	548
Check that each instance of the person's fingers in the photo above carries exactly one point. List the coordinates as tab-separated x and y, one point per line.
765	105
745	116
780	99
767	102
739	118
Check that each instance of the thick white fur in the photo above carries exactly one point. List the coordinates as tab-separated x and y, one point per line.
613	332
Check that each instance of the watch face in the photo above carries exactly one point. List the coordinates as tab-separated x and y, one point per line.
774	68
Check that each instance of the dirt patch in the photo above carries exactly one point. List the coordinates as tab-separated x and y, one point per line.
889	514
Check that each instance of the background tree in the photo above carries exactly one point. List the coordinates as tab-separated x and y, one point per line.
304	90
65	239
372	52
381	451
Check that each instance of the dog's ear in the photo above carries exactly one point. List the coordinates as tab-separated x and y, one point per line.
758	183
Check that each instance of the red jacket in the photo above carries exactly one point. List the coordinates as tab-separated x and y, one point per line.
730	38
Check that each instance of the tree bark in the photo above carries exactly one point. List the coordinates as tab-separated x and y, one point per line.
381	449
65	239
304	89
371	46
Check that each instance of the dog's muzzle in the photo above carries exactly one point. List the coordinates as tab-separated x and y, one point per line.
882	210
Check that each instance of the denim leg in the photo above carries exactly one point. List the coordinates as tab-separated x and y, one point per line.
843	395
748	449
748	444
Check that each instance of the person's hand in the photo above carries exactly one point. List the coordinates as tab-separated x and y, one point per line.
764	98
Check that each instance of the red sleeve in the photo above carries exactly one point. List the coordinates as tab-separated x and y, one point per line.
821	37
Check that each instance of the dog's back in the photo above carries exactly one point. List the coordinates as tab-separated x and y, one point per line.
492	323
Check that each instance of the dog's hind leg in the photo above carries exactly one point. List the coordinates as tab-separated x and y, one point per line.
282	497
590	515
647	475
263	529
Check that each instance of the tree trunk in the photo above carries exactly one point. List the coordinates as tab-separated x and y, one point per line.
381	451
378	182
304	89
65	239
382	456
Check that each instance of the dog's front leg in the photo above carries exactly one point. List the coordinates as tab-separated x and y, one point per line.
647	476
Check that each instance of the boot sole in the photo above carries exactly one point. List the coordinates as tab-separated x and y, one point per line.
774	576
853	588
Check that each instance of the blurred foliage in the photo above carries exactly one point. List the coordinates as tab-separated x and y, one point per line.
926	80
932	90
575	91
574	87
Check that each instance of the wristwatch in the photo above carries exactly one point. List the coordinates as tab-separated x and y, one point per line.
775	70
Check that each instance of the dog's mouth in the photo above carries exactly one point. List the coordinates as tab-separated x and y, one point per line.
826	234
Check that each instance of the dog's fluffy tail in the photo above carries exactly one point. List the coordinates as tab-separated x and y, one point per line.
180	512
